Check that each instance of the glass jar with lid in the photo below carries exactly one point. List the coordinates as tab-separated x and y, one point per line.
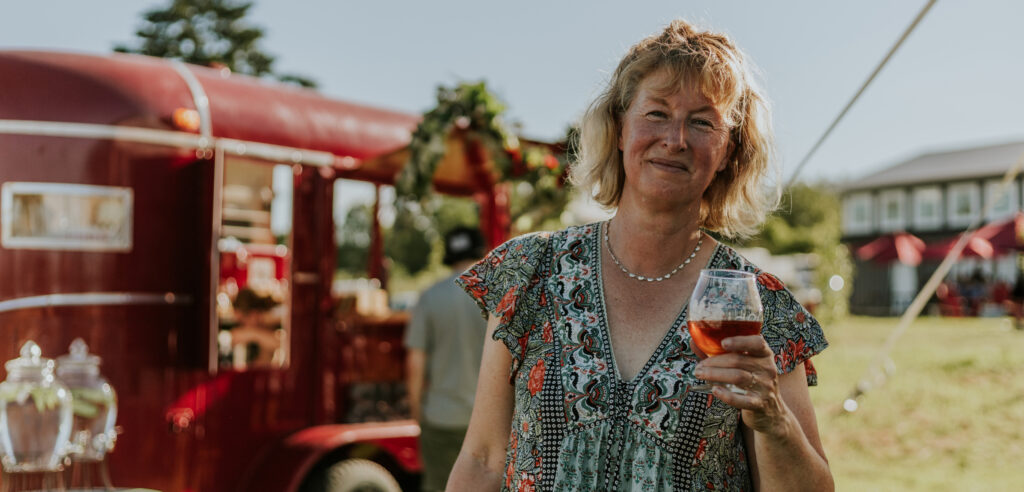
94	403
35	414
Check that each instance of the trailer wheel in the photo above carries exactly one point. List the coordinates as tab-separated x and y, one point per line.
355	475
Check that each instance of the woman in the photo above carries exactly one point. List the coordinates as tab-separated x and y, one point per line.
591	318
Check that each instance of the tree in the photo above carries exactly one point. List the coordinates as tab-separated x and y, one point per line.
808	222
451	212
409	241
353	237
208	33
413	242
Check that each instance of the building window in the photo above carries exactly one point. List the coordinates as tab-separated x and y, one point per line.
892	210
927	208
1000	205
964	203
857	213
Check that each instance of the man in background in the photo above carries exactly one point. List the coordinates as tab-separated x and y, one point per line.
444	342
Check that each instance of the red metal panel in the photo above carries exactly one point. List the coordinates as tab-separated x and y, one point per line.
300	118
117	90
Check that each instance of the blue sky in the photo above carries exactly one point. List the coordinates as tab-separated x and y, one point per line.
956	82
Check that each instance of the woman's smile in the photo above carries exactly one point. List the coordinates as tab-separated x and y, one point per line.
670	165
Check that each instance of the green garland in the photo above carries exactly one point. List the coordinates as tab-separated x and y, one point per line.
472	108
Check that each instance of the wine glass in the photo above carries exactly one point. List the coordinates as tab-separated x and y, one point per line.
724	304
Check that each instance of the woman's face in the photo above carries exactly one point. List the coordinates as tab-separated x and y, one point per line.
673	142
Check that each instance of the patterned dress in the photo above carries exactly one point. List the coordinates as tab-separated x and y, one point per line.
576	424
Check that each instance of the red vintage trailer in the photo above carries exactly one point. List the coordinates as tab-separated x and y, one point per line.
128	183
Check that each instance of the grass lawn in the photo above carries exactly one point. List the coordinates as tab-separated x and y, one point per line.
950	417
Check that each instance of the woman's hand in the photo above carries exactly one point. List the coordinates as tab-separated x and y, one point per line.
749	364
780	430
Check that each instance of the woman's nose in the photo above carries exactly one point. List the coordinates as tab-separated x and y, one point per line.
675	137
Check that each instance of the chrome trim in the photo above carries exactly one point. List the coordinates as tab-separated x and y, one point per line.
112	132
216	227
95	299
170	138
276	153
201	101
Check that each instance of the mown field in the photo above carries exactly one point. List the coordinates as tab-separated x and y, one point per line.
949	417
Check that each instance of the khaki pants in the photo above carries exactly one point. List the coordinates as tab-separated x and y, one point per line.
439	447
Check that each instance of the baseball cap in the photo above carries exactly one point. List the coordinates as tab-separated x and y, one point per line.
463	243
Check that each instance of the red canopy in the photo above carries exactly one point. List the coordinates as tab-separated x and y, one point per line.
994	239
1004	235
901	246
977	246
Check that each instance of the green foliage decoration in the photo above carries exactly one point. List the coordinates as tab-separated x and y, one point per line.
472	108
538	193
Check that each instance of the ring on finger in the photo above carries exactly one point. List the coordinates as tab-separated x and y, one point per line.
753	381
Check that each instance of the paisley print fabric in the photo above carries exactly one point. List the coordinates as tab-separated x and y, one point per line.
576	425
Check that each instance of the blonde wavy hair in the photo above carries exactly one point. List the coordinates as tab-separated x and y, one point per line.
741	195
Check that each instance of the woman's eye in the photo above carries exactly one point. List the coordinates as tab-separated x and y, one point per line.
655	115
703	123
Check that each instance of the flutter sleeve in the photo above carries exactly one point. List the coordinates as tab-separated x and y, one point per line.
503	285
791	331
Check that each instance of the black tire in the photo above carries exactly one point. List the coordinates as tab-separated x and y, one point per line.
355	475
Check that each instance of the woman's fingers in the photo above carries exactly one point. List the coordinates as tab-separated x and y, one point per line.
741	378
747	355
745	401
740	360
754	345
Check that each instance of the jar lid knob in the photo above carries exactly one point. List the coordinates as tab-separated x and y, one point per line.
31	360
78	359
31	351
79	349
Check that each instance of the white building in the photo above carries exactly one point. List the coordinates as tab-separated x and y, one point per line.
935	197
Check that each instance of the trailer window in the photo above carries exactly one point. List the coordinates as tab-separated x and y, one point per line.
252	295
63	216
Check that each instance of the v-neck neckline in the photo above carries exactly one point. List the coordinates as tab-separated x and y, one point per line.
605	332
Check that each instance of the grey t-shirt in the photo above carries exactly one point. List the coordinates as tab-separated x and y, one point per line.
447	325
